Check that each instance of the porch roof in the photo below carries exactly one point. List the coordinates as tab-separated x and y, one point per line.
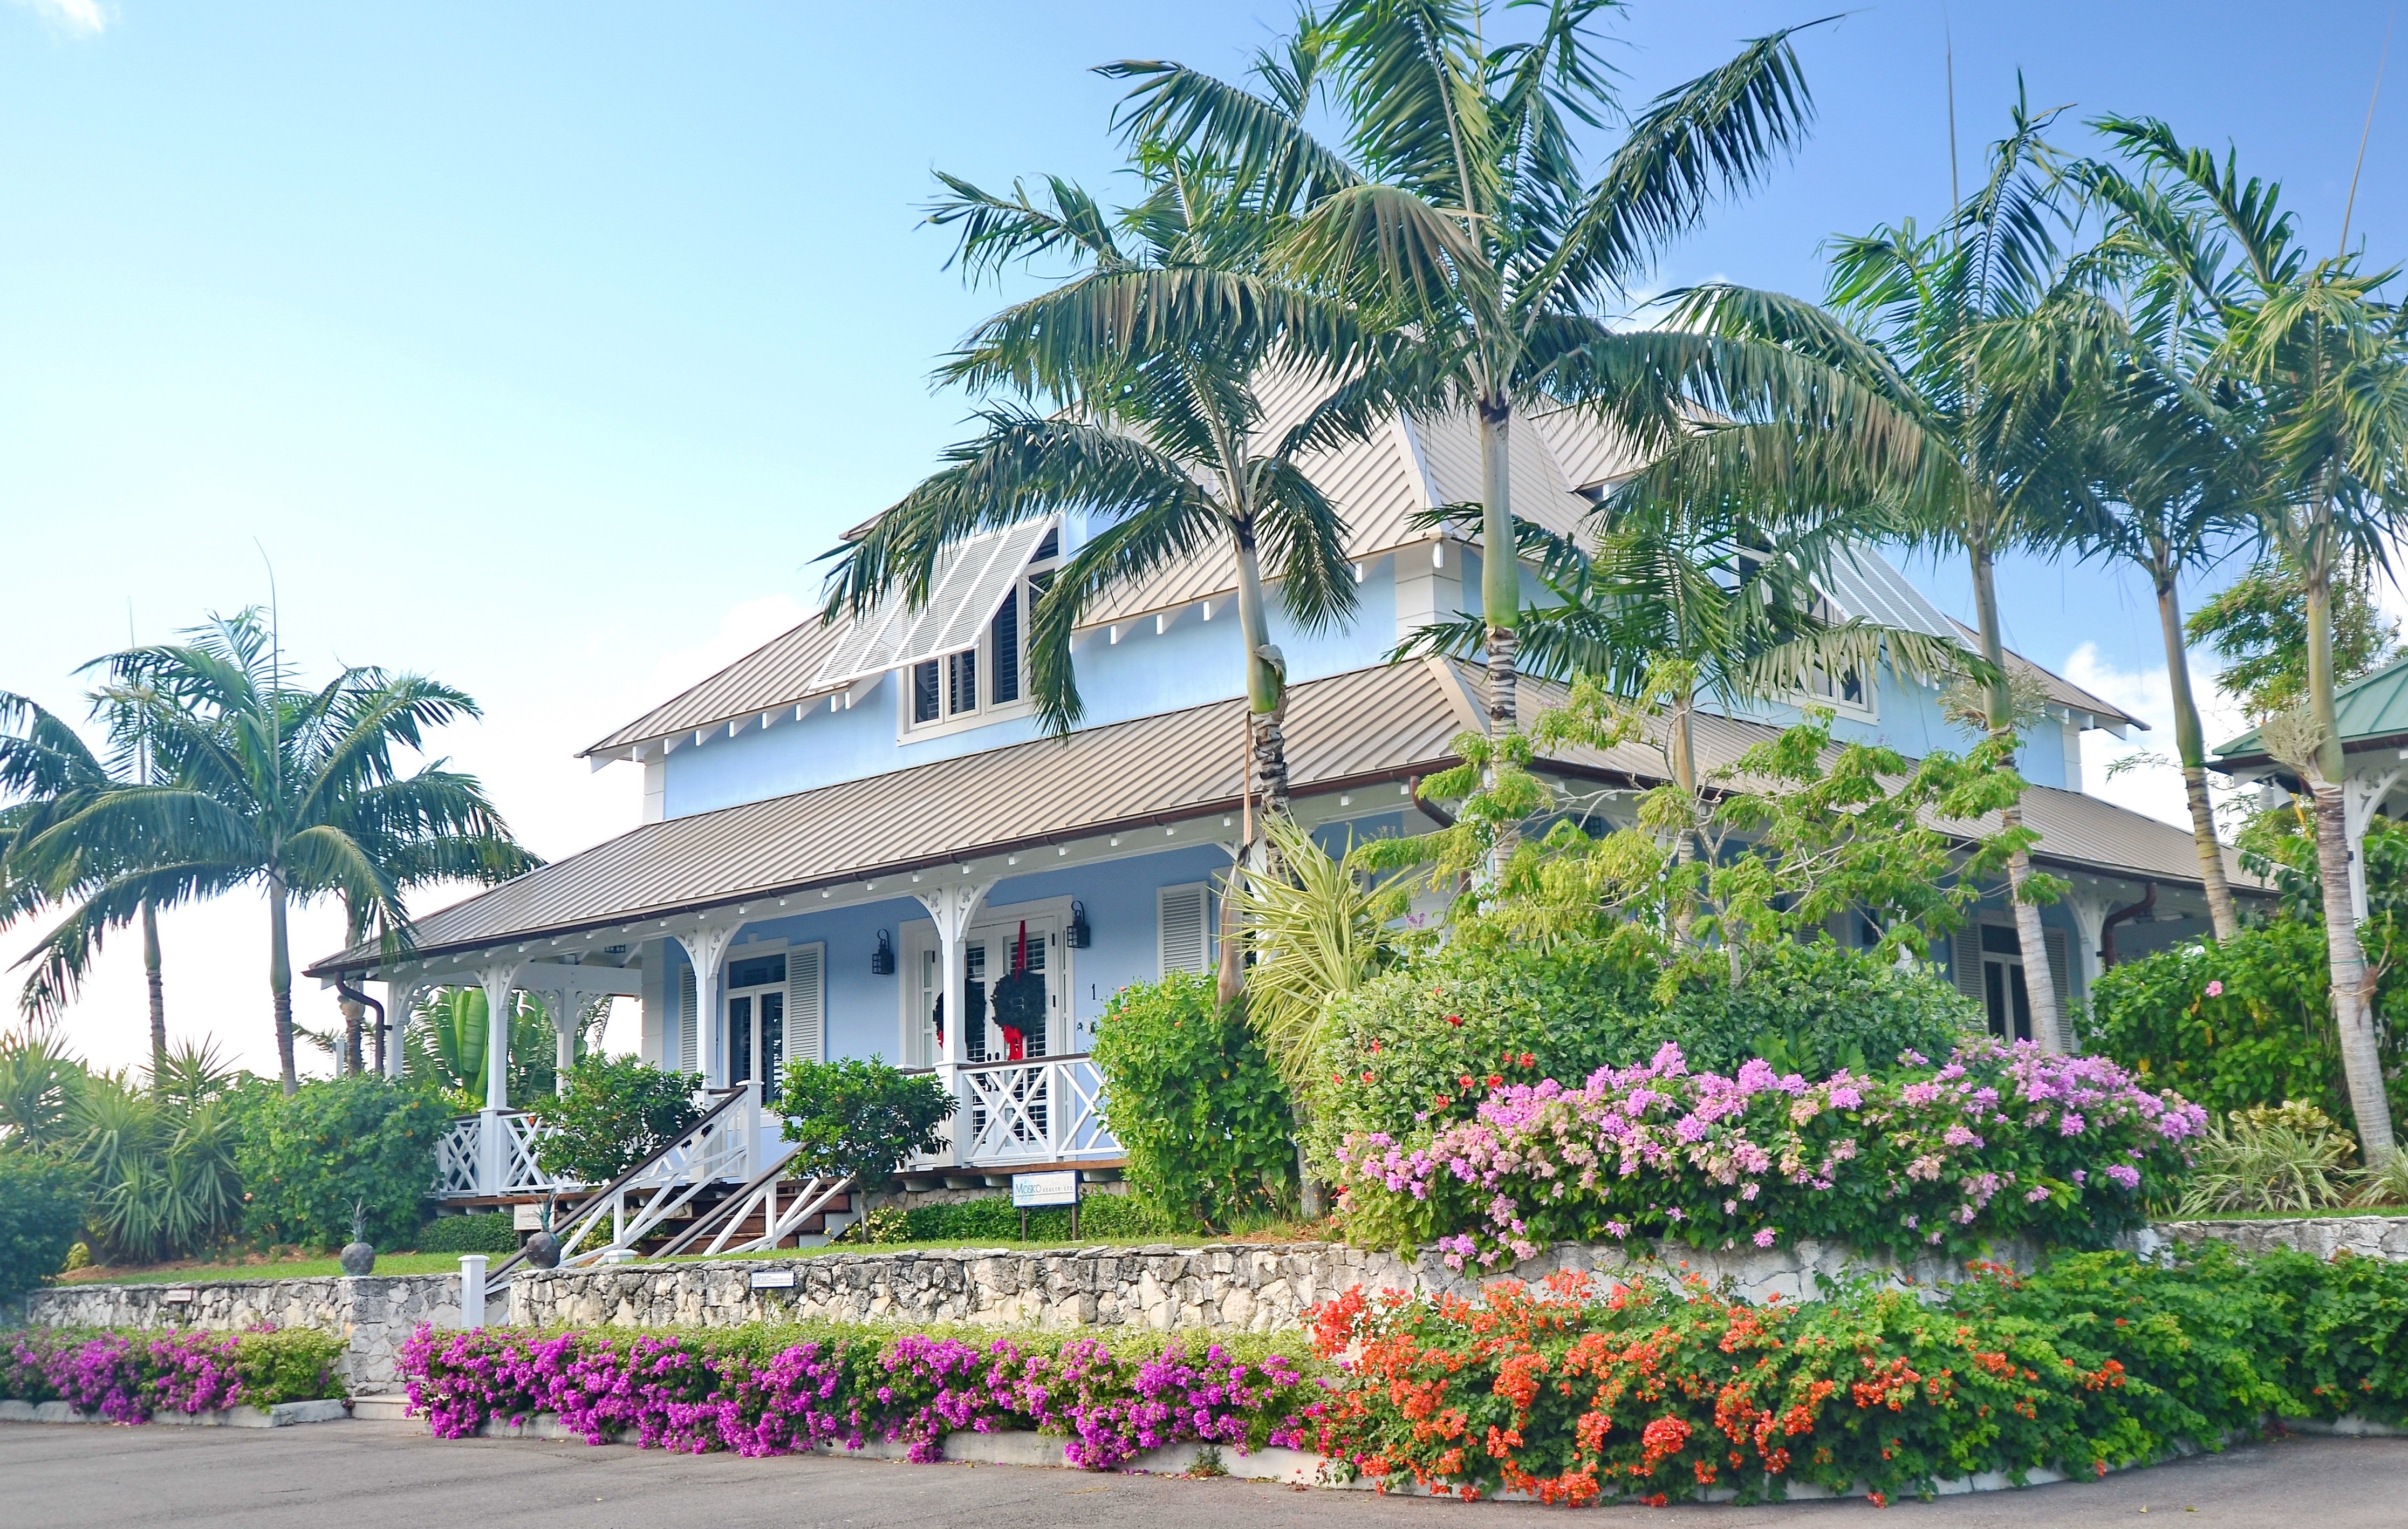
2372	713
1371	725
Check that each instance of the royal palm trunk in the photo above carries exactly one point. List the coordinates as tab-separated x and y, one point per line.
158	987
2191	743
2048	1023
279	982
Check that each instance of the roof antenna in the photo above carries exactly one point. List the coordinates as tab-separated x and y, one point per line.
2351	206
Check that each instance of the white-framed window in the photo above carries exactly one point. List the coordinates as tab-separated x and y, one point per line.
988	681
1847	691
1185	922
1986	961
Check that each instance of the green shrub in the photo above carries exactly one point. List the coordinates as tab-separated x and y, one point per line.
1814	1009
2243	1022
41	1212
486	1232
1409	1036
306	1159
1194	1098
289	1364
615	1113
2294	1157
861	1117
991	1216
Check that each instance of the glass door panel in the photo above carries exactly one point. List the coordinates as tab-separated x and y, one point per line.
739	1039
773	1039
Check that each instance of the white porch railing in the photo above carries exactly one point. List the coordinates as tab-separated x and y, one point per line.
491	1153
1048	1109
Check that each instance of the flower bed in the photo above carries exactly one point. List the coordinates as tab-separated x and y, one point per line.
1997	1141
1582	1390
125	1376
771	1391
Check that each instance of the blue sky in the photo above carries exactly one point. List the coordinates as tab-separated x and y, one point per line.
542	347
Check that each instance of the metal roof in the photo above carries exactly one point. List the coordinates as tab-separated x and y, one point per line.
1372	724
2371	711
2060	690
770	678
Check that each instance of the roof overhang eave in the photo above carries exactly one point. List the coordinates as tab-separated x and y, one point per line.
357	961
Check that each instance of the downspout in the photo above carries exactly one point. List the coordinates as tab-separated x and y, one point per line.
350	995
2129	911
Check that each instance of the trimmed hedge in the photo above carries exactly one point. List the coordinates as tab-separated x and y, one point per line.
126	1377
992	1218
1582	1390
481	1231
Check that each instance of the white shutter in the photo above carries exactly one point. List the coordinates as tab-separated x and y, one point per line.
688	1019
1964	962
2060	969
806	998
1185	914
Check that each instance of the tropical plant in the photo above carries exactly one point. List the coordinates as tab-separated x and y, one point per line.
2323	358
615	1111
1192	1098
260	781
1939	392
41	1215
38	1082
450	1030
1182	388
160	1166
860	1117
1459	206
307	1158
2258	626
1319	932
47	771
2292	1157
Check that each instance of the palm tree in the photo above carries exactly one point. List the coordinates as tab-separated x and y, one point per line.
2174	451
265	783
1694	601
48	770
2325	362
1162	361
1939	395
1459	207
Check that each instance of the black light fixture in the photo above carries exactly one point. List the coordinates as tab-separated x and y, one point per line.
882	960
1080	935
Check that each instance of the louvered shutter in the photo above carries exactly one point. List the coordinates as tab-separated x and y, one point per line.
689	1017
1184	914
1965	961
806	998
2060	968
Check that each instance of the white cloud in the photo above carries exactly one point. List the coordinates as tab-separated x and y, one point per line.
2148	695
87	18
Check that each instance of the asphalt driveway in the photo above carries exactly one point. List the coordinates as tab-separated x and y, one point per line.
391	1473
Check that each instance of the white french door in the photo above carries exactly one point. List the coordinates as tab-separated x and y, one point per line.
756	1020
989	954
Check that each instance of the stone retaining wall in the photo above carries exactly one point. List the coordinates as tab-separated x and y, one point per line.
2365	1236
1229	1287
375	1313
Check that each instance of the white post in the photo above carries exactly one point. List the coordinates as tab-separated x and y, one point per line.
2090	910
472	1292
499	981
2360	798
564	1004
400	993
707	947
952	906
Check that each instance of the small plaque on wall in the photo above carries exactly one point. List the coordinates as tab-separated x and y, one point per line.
773	1280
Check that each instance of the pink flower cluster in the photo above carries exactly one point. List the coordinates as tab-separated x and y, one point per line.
1997	1140
125	1376
722	1392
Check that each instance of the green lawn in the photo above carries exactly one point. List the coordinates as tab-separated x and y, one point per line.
296	1268
2287	1214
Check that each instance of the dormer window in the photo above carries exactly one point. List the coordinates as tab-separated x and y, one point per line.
991	679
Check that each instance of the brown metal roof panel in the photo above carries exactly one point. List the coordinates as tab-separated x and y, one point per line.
777	673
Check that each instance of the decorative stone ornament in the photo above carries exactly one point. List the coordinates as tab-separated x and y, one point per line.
357	1257
542	1249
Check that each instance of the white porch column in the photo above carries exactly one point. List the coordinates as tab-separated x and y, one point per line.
2090	910
2360	794
499	981
400	994
952	906
563	1004
706	945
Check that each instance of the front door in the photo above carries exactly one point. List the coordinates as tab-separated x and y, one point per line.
756	1020
990	953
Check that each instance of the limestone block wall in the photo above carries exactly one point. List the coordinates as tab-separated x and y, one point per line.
2323	1236
1229	1287
375	1313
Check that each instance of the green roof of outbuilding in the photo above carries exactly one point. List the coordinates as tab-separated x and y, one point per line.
2370	709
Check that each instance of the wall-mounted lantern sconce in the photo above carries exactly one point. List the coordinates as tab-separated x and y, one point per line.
882	960
1079	931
